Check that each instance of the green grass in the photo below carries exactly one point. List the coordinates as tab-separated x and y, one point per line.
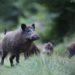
37	65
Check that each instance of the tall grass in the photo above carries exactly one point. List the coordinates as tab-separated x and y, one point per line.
35	65
57	64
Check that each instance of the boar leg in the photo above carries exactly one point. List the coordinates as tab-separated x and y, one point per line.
11	59
70	56
26	54
3	57
71	53
17	56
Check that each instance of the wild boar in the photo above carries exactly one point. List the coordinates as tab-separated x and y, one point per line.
15	41
71	49
48	48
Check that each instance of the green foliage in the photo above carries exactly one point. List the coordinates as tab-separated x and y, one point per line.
4	5
65	24
54	5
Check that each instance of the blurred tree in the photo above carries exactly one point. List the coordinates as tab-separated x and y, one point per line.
10	13
54	5
4	5
14	15
65	22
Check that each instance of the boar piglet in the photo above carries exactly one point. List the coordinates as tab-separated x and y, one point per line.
48	48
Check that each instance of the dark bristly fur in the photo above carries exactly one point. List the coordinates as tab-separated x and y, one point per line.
0	48
71	49
18	41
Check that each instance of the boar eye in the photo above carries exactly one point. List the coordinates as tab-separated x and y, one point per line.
28	31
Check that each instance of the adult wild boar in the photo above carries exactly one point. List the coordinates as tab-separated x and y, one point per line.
15	42
71	49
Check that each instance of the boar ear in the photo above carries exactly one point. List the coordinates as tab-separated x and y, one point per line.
33	25
23	26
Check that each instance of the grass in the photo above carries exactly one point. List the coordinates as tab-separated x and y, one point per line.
57	64
49	65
